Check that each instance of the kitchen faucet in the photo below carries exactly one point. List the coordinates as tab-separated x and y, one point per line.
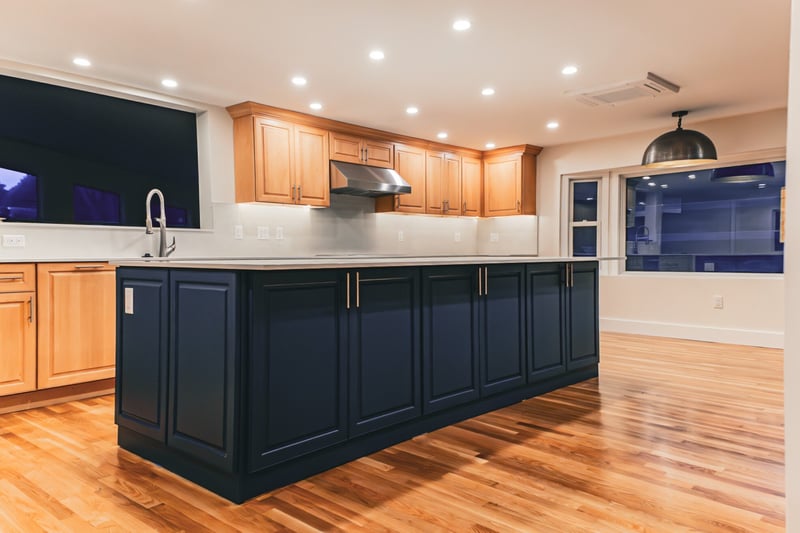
163	249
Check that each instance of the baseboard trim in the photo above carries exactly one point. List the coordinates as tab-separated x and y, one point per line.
52	396
747	337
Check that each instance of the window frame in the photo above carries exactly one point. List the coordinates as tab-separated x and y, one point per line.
567	195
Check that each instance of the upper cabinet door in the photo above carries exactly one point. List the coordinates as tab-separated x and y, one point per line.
77	329
410	164
379	153
273	161
434	178
312	170
503	186
451	184
346	148
471	187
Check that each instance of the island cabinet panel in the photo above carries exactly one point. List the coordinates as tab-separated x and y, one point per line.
384	338
297	365
502	328
204	347
450	325
583	315
546	322
142	351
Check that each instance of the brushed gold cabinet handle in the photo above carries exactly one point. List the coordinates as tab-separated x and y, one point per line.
485	281
348	290
358	289
13	277
480	282
572	275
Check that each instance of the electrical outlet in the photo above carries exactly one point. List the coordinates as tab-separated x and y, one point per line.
494	237
400	236
263	232
279	233
238	231
719	303
14	241
457	236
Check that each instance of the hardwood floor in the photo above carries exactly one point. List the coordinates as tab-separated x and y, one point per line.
673	436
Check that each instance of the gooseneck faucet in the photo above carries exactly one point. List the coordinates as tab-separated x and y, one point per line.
163	249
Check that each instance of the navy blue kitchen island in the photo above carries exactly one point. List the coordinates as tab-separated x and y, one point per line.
246	375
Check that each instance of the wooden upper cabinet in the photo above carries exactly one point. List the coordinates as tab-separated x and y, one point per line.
410	164
280	162
443	183
509	178
351	149
77	330
471	187
17	328
312	168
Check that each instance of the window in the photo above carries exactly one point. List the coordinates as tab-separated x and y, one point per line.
583	221
724	219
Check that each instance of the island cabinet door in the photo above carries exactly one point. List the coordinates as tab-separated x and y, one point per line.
297	365
204	348
142	344
583	315
384	347
546	320
450	363
503	328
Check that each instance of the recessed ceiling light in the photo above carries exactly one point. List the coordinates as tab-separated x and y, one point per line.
299	81
645	177
552	125
462	25
664	185
82	62
442	135
488	91
167	82
411	110
569	70
316	106
490	145
652	184
377	55
692	176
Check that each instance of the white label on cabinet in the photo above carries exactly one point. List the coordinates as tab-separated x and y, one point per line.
128	300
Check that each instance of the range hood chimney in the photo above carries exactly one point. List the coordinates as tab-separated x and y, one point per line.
363	180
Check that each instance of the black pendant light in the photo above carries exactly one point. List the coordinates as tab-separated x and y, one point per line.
679	148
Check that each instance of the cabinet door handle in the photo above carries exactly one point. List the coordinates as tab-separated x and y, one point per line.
347	298
12	277
396	202
464	212
30	309
293	188
358	289
572	274
485	281
88	267
517	206
480	282
299	194
366	154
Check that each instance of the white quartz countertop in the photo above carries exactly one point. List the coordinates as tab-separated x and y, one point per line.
342	261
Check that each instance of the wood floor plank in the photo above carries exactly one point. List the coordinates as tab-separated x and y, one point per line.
673	436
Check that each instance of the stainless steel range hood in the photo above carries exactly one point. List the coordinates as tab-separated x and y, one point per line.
363	180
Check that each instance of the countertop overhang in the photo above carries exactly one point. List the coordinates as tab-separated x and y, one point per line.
343	261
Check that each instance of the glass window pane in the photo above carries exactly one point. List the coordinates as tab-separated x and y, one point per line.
584	201
584	241
717	220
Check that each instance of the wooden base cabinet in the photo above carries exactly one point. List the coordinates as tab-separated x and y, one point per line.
17	329
563	318
76	310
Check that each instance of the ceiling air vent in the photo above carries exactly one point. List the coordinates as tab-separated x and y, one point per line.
620	93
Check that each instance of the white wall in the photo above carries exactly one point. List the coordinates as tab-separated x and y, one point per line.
349	226
792	280
662	303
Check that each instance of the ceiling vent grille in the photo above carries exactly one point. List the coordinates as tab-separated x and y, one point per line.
619	93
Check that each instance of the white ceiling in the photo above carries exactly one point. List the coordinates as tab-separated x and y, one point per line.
728	56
